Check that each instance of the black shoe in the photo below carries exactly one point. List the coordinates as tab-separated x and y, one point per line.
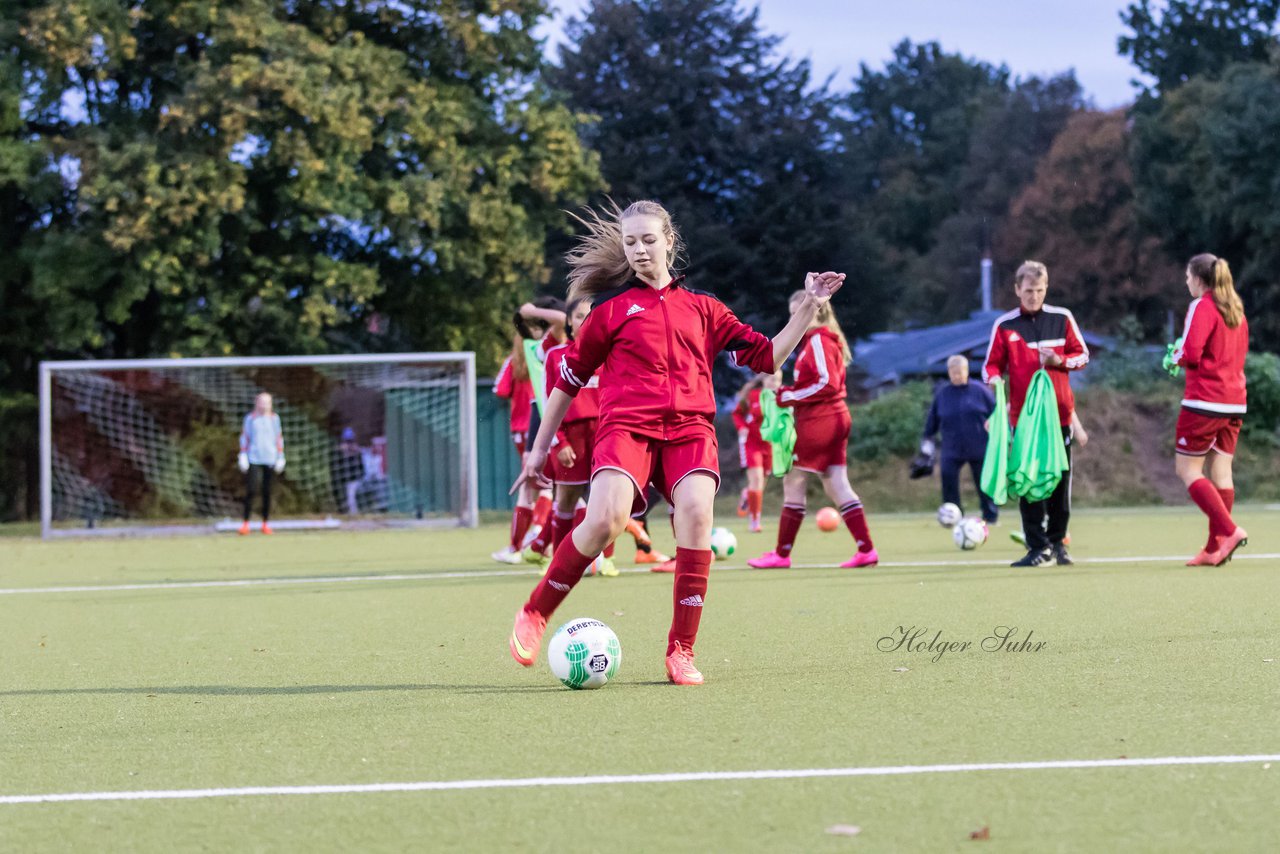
1060	553
1035	557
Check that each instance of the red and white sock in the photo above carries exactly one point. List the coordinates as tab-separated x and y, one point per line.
856	521
693	570
1210	502
567	566
561	525
755	503
788	527
520	521
546	534
608	551
542	510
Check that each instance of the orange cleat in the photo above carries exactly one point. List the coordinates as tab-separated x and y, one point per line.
1237	538
243	529
1203	558
680	669
668	565
266	529
526	637
742	504
651	556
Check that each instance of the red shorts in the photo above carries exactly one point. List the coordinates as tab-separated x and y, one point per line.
756	455
662	463
519	440
582	438
822	439
1198	434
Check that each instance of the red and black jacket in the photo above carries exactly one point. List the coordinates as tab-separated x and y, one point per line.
1014	353
653	351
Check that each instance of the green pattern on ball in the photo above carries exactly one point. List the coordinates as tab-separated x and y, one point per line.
615	655
577	654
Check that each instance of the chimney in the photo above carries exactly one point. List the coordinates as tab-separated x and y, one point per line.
986	281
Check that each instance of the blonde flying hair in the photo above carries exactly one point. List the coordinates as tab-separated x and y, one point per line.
598	263
827	317
1216	276
1031	270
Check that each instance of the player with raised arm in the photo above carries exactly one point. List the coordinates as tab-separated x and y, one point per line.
822	439
261	456
652	341
1215	341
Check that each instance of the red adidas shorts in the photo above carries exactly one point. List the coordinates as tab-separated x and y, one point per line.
1198	434
662	463
822	438
754	455
581	436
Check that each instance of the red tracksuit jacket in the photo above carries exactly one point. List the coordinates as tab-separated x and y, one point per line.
586	406
653	351
747	416
1213	354
819	373
1015	339
519	391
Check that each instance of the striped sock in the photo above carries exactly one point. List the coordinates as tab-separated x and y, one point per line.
856	521
788	526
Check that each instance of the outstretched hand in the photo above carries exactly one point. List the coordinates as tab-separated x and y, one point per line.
534	462
822	286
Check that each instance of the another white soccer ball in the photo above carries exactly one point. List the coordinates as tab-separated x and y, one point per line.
723	543
970	533
949	515
584	653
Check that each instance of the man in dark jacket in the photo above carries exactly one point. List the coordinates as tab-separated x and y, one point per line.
961	410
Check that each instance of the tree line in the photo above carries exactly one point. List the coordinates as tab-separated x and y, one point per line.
182	177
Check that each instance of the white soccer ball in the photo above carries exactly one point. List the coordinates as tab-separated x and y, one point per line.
949	515
723	543
584	653
970	533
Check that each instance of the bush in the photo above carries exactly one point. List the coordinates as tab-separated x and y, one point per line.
891	424
1130	365
18	461
1262	376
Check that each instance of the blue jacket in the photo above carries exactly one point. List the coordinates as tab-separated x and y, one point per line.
960	412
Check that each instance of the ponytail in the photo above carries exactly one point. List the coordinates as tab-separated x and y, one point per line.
827	317
519	367
1214	273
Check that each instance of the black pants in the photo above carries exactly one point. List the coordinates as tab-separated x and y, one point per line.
1045	522
950	468
249	478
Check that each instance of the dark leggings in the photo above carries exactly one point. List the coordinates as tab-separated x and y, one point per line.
249	478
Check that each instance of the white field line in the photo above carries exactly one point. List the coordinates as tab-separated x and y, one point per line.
630	779
516	573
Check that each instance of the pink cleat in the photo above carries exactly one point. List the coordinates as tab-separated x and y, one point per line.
680	669
770	560
1227	547
867	558
526	637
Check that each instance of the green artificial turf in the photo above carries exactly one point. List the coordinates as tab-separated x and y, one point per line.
381	680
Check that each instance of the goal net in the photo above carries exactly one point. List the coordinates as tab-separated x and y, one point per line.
132	446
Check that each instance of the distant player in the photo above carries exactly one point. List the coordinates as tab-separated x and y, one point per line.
652	341
1215	340
961	410
754	453
822	439
1024	340
261	455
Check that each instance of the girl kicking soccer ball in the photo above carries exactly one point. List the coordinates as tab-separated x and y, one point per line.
652	341
822	439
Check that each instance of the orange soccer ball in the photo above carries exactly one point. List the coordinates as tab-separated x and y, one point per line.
828	519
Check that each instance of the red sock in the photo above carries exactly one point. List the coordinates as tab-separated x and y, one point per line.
578	515
1228	500
755	503
542	511
1206	497
565	570
608	551
693	568
545	535
520	521
788	526
856	521
560	528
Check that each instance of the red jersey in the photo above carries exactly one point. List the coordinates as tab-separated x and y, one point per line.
519	392
819	373
1014	353
654	351
747	416
1213	354
586	406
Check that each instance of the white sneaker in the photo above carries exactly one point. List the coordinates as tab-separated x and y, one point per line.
508	555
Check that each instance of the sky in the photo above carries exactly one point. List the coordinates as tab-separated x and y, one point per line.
1030	36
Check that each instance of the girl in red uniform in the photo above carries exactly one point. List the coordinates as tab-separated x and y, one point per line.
1214	343
652	340
754	453
541	320
822	439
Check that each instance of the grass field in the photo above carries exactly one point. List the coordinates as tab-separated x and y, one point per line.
381	658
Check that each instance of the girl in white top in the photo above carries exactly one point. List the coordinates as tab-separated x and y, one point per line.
261	455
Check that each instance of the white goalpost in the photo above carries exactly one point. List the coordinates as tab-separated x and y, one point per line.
134	446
